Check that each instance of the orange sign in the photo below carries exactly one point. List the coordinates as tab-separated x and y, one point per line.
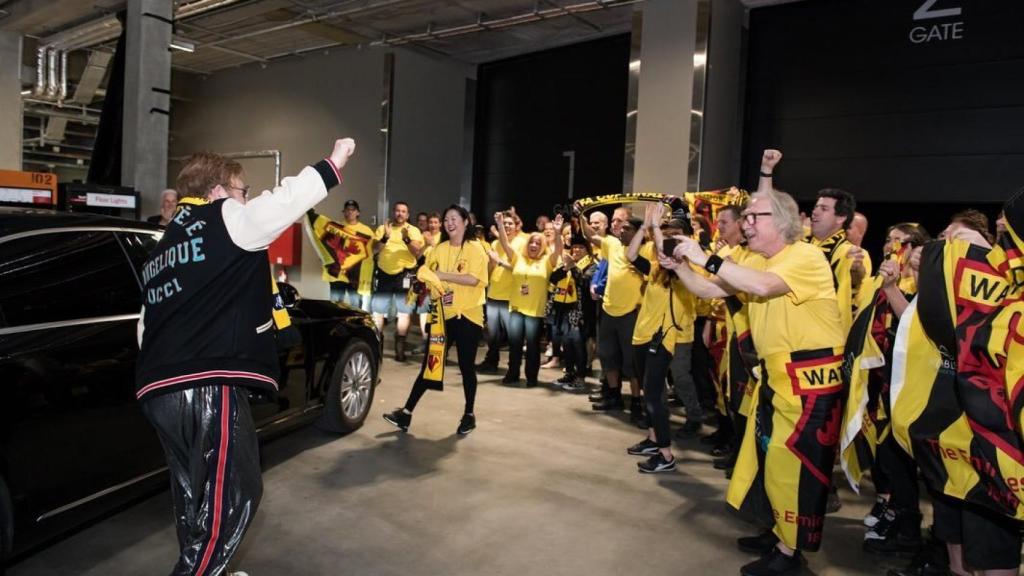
28	187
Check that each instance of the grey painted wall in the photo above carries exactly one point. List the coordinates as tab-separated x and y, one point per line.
300	105
427	131
10	100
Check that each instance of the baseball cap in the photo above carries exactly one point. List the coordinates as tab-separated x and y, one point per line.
352	204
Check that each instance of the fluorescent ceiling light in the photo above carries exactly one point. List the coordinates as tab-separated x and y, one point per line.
179	43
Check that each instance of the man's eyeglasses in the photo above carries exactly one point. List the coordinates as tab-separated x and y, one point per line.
244	190
751	217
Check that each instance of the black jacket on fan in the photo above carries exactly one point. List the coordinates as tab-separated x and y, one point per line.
207	303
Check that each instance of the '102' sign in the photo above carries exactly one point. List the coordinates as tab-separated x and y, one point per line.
924	33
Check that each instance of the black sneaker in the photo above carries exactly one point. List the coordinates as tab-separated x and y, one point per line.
612	402
761	544
565	379
721	450
655	464
399	418
689	430
466	425
884	527
576	386
486	368
510	378
774	563
931	560
645	447
601	394
877	511
714	439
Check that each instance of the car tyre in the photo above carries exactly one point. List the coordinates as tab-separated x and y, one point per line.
6	525
350	394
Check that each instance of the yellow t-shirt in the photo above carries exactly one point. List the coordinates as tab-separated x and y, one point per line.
840	264
395	255
675	321
530	285
806	318
500	287
470	258
625	284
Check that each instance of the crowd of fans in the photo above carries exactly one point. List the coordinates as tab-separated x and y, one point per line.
743	320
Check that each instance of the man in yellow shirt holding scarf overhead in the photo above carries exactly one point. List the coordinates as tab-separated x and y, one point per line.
784	470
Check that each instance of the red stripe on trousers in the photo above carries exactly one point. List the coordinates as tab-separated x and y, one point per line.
225	429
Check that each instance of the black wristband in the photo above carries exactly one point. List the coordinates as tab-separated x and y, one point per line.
765	174
407	239
713	264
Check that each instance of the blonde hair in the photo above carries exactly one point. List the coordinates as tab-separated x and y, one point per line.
203	171
785	214
543	245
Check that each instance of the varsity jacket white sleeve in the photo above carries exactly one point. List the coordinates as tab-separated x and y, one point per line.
255	224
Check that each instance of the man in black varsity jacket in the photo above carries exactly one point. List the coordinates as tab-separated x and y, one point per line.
206	334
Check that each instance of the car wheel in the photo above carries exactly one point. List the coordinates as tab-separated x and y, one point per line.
6	525
350	394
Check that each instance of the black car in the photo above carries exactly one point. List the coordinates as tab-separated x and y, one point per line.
73	441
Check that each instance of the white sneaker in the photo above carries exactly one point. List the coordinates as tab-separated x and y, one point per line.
238	574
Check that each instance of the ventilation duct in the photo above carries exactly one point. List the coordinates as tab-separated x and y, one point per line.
40	72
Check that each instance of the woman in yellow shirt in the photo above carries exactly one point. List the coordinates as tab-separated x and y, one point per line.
662	338
456	273
531	268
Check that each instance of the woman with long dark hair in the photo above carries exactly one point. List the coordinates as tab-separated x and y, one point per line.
455	272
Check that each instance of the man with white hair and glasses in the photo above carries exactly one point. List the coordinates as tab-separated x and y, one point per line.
784	470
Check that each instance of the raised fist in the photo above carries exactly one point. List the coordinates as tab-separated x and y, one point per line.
769	159
890	272
499	218
343	149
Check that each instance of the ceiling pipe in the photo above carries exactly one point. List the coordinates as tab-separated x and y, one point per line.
481	25
51	73
40	88
62	89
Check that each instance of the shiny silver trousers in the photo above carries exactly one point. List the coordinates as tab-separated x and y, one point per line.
212	453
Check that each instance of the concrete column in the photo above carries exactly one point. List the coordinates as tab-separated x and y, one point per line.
147	100
10	100
723	108
665	96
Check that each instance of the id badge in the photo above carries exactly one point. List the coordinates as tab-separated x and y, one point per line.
448	298
524	289
406	282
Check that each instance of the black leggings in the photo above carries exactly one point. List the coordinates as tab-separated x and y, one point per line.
466	337
655	368
900	473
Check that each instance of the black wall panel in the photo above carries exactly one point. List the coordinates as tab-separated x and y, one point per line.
858	95
533	108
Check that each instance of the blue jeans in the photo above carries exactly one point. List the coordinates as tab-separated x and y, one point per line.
497	327
522	327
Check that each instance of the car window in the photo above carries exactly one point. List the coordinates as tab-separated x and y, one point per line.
65	276
138	245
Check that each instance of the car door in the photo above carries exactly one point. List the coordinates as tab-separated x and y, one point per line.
70	427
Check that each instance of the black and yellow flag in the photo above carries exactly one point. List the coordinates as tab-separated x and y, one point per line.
339	248
958	370
859	436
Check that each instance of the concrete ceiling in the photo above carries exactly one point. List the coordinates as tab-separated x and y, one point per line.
230	33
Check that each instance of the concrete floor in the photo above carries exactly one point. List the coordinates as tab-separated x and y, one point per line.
543	486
